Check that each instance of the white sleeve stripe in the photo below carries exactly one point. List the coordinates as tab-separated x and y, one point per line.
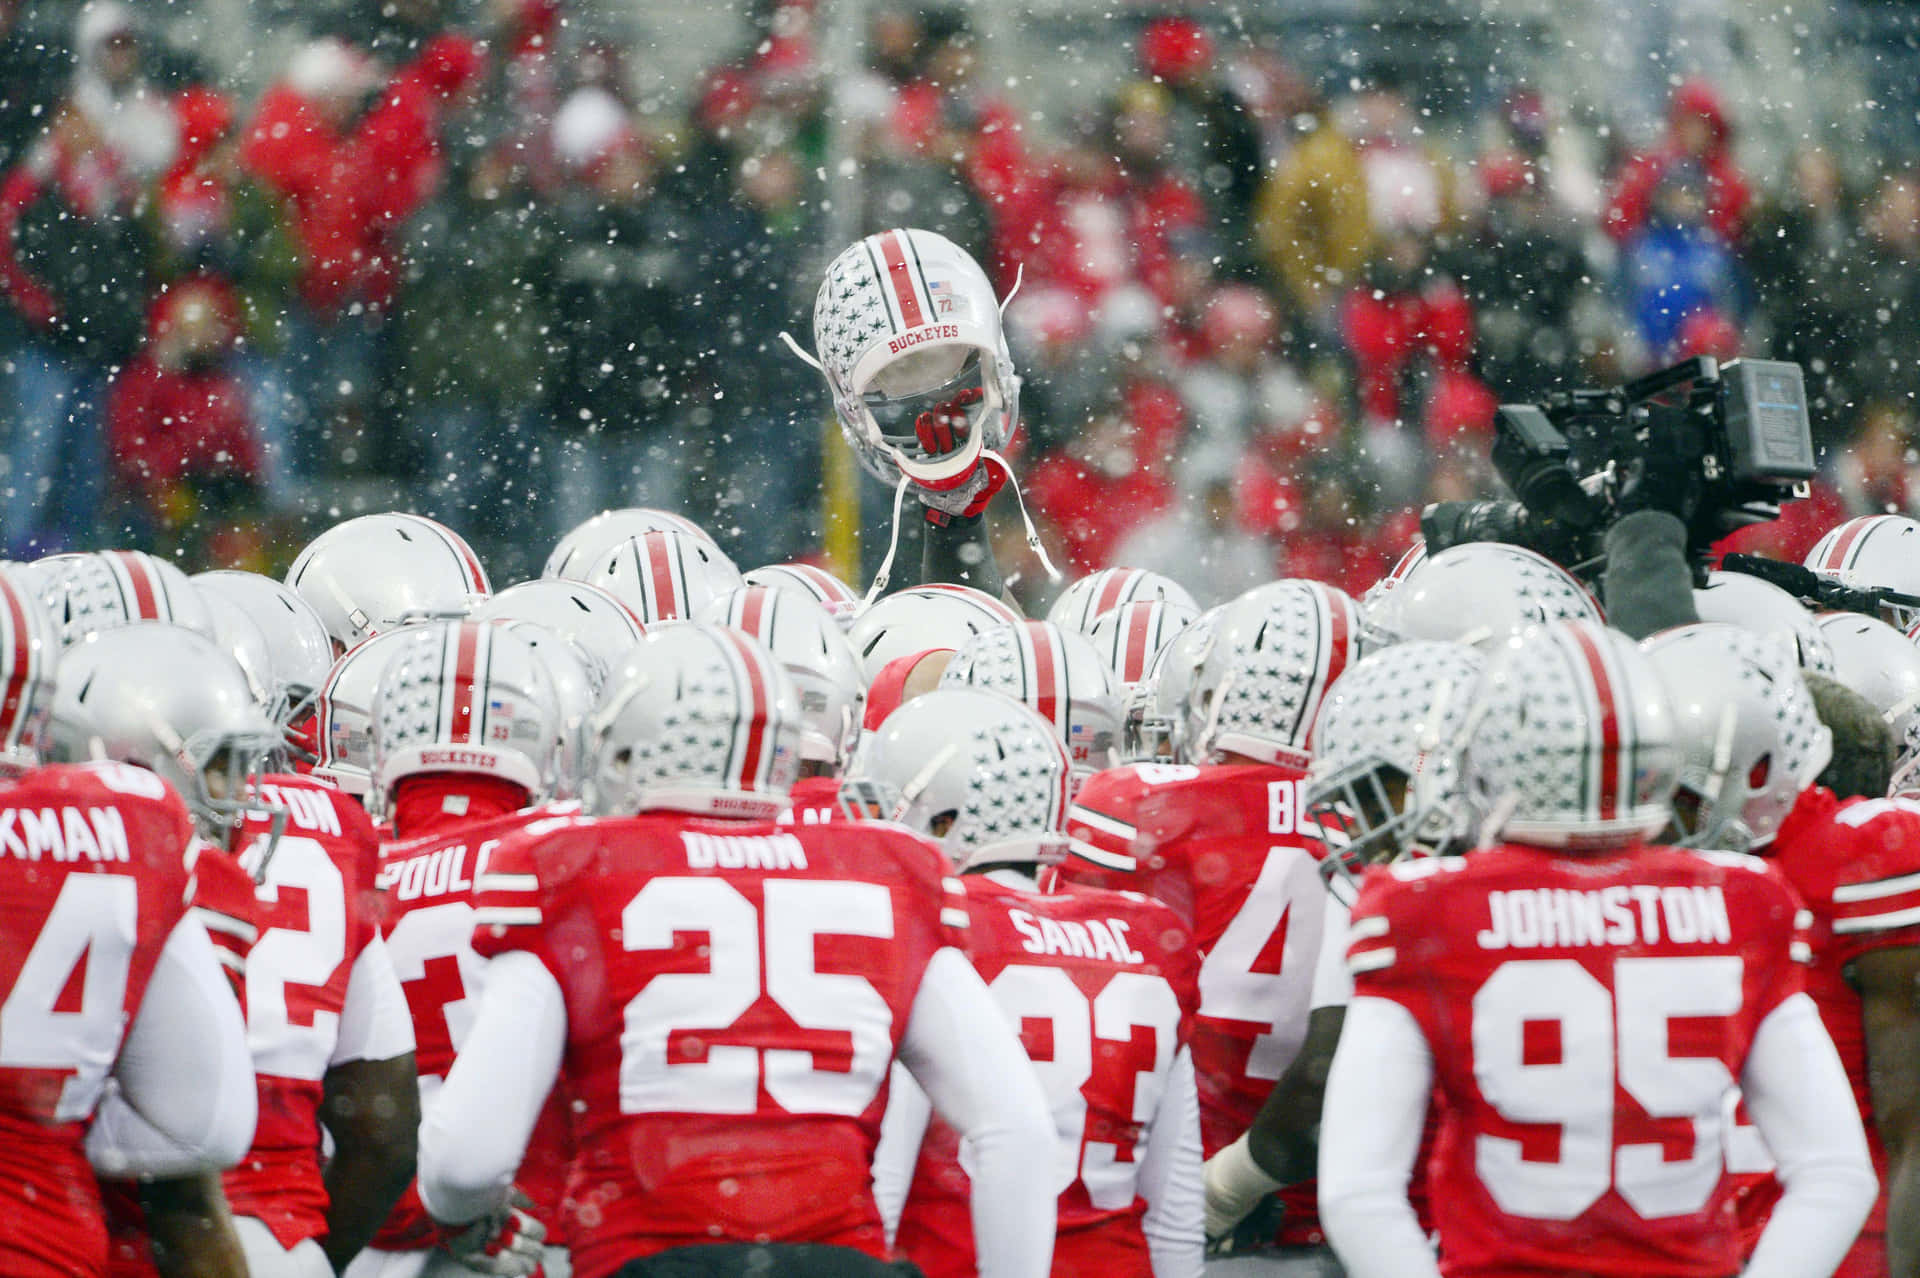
954	885
1800	952
1848	892
955	918
507	883
226	924
1803	918
1371	961
1106	824
505	915
1878	922
230	960
1367	929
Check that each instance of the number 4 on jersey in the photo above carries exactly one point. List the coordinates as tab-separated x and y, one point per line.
65	1004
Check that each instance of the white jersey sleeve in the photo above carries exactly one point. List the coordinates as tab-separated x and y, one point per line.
1174	1222
902	1129
1332	982
375	1024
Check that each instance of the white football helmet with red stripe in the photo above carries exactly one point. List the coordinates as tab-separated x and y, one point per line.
1882	665
1056	673
464	697
923	617
300	651
1272	656
700	718
904	320
375	572
665	576
581	550
1129	637
1874	550
979	773
86	594
1412	557
579	677
1154	717
343	712
1479	593
1762	608
1576	747
817	584
811	648
1744	724
29	649
593	618
1082	604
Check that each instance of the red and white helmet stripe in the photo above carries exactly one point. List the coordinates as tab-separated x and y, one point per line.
1095	595
665	576
897	262
1129	637
751	758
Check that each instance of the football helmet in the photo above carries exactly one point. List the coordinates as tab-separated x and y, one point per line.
1478	593
1873	550
1095	595
86	594
246	643
665	576
582	549
167	699
1882	665
979	773
1411	558
699	718
1056	673
1399	718
1129	637
923	617
579	678
29	649
813	651
817	584
343	712
1762	608
1272	656
299	648
369	574
1748	738
1575	747
591	617
1154	717
904	321
464	697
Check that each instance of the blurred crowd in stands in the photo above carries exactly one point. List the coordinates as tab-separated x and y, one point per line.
1260	324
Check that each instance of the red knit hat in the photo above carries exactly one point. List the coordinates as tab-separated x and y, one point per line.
1175	48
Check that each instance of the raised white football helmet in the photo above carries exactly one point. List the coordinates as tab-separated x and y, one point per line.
1887	673
593	618
665	576
1873	550
166	699
980	773
1272	656
700	718
1129	637
29	649
581	550
343	712
1056	673
299	648
465	697
923	617
1478	593
86	594
904	321
836	596
1095	595
1762	608
372	573
1400	717
1576	745
811	648
1154	717
1748	737
1412	557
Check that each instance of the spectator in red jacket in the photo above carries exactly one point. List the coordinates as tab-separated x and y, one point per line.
1698	133
1101	487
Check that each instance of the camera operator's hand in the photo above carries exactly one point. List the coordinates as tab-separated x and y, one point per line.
1667	478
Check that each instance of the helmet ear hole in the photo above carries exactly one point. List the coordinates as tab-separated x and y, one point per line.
1758	773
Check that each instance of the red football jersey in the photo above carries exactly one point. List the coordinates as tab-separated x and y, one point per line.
1101	987
427	921
1589	1018
736	992
93	879
318	909
816	800
1856	866
1232	850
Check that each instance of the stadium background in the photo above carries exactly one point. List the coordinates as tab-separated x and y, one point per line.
270	264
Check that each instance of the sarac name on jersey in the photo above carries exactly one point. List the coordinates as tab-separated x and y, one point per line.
1541	918
1092	939
64	834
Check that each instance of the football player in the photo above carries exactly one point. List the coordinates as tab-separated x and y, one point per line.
1581	1006
1226	841
326	1020
1099	985
723	998
373	572
1055	672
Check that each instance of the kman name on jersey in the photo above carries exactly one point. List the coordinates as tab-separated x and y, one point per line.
64	834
